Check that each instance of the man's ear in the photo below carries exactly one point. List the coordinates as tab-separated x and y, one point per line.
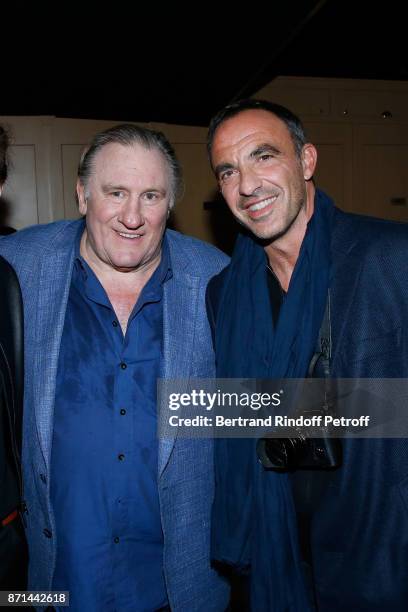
82	201
309	160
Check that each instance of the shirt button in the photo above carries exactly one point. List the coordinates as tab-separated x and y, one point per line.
122	411
47	533
116	540
121	457
123	365
114	323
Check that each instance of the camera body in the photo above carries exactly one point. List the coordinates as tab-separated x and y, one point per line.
303	448
308	448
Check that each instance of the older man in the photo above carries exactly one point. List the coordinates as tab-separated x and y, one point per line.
115	516
306	271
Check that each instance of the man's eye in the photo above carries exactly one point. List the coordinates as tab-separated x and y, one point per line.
226	176
151	196
117	194
265	156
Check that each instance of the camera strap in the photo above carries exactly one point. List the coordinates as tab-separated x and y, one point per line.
323	351
322	356
309	486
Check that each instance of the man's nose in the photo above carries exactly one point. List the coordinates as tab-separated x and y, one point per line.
249	181
130	213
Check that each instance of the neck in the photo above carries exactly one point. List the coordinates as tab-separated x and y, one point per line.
123	288
283	252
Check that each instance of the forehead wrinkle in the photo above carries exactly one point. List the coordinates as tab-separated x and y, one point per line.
134	159
252	126
130	179
245	145
264	147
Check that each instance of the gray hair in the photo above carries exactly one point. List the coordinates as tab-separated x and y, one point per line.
128	135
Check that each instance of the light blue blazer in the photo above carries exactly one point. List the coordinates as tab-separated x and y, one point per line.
43	259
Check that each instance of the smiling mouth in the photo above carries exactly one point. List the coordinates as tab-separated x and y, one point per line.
131	236
259	206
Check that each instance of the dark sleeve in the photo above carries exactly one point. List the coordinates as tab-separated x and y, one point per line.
11	340
212	301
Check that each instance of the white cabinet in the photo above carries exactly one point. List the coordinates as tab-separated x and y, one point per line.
381	176
361	132
334	174
26	198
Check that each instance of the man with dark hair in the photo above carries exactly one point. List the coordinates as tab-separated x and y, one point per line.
13	549
117	517
306	271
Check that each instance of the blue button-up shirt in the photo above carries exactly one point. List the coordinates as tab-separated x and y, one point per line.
104	454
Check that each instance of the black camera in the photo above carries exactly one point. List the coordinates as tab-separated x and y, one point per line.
300	449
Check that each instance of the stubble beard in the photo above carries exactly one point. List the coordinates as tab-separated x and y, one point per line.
268	235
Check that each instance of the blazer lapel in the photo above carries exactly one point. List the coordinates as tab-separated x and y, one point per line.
53	290
180	301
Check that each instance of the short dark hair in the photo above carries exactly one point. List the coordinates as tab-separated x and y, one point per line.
292	122
4	144
128	134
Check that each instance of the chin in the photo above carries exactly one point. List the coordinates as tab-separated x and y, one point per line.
126	265
265	232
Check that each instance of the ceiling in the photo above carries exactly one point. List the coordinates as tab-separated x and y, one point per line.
182	67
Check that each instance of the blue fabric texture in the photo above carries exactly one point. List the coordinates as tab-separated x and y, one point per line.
254	522
359	526
358	520
105	431
43	257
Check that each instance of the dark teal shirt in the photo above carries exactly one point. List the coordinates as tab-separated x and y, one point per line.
104	454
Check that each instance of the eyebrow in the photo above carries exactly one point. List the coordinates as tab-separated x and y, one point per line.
221	168
117	187
112	187
264	148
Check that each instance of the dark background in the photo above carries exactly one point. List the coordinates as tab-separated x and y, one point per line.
177	64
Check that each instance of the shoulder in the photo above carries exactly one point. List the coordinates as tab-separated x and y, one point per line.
39	238
201	258
366	235
370	254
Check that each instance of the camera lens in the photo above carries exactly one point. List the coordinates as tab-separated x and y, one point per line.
280	453
287	456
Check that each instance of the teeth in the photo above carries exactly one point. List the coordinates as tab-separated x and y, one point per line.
129	235
261	205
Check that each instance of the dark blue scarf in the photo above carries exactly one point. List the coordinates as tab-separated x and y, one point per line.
254	521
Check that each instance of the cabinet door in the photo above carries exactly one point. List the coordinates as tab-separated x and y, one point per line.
381	177
377	105
26	198
190	215
69	137
335	160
